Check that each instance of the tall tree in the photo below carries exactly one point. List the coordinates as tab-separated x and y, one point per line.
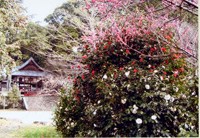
12	23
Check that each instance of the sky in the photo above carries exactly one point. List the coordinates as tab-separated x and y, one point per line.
40	9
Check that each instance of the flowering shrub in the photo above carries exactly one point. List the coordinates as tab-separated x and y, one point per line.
137	85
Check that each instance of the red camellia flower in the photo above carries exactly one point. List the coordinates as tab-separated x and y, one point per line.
93	72
88	51
147	44
141	60
84	57
181	69
133	63
175	74
127	51
165	73
152	49
100	55
85	46
120	68
134	70
167	37
151	70
68	77
109	43
83	77
97	91
154	67
74	81
77	98
79	66
77	91
105	46
163	49
166	61
176	56
88	66
72	67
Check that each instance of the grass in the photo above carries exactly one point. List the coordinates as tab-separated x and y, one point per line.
37	132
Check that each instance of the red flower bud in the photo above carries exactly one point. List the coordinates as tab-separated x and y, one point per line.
135	71
84	57
109	43
163	49
152	49
127	51
83	77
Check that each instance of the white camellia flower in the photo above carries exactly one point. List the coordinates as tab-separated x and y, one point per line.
134	111
147	86
184	96
95	125
139	121
95	112
176	89
75	49
127	73
194	93
167	97
135	108
99	102
128	85
163	89
155	71
72	124
123	101
105	76
149	66
153	117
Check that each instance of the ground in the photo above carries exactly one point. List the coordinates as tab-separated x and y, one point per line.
11	121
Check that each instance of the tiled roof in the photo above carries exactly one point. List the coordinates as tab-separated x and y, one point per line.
19	72
30	73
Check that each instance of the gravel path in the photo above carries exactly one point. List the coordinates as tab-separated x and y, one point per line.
11	121
28	117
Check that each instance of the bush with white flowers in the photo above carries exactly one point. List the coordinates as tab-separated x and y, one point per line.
127	94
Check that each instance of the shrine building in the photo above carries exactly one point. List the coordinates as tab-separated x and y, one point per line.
28	77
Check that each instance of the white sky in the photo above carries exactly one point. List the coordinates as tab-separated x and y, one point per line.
40	9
